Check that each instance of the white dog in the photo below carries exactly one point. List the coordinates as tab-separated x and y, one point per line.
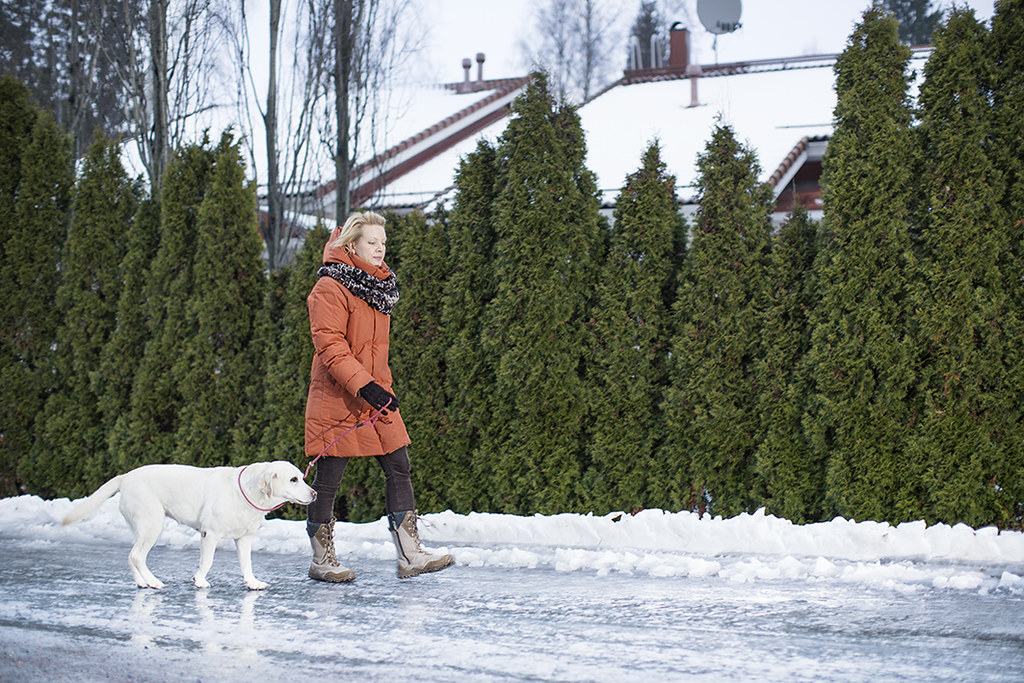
219	502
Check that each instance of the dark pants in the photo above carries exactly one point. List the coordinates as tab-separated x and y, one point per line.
398	495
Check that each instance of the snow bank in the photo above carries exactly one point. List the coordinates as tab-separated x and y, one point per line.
748	548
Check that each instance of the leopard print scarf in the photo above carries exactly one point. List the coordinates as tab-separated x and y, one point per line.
379	294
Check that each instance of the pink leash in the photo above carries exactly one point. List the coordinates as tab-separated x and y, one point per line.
368	421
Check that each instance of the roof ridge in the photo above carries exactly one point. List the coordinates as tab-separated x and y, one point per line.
508	84
674	73
793	155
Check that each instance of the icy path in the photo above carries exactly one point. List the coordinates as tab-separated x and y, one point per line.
565	598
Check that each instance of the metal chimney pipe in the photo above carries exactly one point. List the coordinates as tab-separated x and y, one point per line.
655	52
635	59
466	64
693	72
480	66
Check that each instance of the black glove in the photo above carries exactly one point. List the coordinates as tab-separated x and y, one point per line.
373	394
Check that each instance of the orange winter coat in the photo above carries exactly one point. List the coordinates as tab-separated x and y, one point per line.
350	340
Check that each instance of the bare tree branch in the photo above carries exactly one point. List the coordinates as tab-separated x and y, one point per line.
573	43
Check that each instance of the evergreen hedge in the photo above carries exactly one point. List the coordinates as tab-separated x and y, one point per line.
545	265
469	373
1006	46
17	402
105	200
791	476
963	318
549	360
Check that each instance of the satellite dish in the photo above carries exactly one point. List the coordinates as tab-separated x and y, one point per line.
719	16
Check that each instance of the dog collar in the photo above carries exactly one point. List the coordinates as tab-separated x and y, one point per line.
242	491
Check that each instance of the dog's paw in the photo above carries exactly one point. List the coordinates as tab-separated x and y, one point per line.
200	582
256	585
155	584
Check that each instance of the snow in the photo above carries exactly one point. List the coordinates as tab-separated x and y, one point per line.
771	111
749	548
653	596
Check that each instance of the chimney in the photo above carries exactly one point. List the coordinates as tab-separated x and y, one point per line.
480	67
678	46
466	64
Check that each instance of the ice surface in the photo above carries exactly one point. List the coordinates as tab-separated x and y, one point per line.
655	596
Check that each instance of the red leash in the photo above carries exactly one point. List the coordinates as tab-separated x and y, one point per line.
368	421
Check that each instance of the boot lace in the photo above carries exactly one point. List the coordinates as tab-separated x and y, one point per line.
328	542
412	526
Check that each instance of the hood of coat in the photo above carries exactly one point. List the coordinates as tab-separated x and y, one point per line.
339	254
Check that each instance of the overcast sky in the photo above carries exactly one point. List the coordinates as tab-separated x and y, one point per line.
769	28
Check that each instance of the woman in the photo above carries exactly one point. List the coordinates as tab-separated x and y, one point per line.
350	319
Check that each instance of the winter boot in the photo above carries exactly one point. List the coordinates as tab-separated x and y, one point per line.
412	558
325	566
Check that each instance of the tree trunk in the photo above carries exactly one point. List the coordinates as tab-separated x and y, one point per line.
158	57
75	82
275	204
343	38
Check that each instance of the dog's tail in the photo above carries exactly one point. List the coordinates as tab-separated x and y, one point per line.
86	506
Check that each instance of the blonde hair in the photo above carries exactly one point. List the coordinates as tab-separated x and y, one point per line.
353	228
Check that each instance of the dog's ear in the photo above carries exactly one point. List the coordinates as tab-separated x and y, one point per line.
267	483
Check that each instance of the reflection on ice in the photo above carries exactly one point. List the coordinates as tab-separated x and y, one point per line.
611	618
140	618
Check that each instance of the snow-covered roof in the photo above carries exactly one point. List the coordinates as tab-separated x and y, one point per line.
782	109
437	120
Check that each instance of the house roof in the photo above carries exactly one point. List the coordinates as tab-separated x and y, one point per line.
374	181
782	109
771	111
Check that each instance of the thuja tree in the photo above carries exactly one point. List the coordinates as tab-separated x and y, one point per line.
418	351
122	354
31	266
861	356
289	349
547	217
969	415
1007	48
222	358
718	348
17	118
147	432
71	444
631	341
791	478
469	372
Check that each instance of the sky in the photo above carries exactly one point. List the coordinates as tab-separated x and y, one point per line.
769	28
